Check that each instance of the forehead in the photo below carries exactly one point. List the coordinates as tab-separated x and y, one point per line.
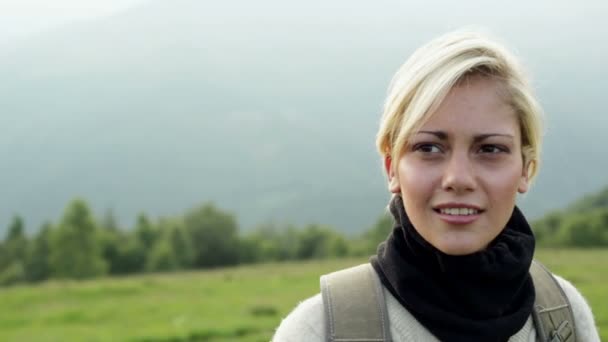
477	106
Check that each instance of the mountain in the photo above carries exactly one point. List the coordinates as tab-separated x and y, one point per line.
267	108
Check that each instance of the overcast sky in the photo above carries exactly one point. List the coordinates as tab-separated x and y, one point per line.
21	18
267	57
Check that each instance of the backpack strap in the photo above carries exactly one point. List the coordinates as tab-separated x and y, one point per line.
552	314
356	293
355	309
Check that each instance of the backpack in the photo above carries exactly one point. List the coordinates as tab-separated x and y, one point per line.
353	315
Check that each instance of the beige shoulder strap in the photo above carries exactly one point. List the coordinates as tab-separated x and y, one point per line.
356	293
552	314
355	309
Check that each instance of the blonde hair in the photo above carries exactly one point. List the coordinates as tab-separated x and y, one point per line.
424	80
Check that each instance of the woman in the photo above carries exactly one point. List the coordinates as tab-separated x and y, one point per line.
460	137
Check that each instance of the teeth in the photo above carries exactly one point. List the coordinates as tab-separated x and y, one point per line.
458	211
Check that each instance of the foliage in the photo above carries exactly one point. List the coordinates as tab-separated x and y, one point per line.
146	233
269	242
590	202
582	224
13	253
214	235
379	232
75	249
162	257
37	267
317	242
79	247
13	273
179	242
131	256
15	243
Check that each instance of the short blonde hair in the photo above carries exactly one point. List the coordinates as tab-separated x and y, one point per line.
424	80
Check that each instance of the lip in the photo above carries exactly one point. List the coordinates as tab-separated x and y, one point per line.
457	205
457	219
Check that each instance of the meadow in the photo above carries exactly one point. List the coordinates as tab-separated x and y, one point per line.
234	304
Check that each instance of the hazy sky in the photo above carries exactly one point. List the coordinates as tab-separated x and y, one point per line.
71	67
20	18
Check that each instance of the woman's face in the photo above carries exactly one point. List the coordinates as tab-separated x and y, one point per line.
460	173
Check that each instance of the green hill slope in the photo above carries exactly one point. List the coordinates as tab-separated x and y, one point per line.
233	304
583	223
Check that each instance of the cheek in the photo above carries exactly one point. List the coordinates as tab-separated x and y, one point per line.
502	186
416	181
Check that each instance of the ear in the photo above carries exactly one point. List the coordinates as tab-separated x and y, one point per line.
393	181
524	182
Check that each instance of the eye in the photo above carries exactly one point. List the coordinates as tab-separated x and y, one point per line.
427	148
493	149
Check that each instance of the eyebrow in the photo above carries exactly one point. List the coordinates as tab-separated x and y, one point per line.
441	135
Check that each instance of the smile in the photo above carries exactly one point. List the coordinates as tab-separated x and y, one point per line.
458	211
458	214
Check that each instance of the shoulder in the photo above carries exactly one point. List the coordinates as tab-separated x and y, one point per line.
305	323
584	321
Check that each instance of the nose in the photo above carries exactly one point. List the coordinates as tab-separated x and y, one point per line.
459	174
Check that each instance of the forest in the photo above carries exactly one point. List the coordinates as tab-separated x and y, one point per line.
81	245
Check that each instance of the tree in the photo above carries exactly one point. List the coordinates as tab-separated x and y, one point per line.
15	243
317	241
270	242
546	229
145	231
131	257
379	232
12	274
214	236
162	256
13	252
109	222
181	244
75	246
110	241
587	229
37	266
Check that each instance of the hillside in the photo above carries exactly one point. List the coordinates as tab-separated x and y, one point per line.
233	304
583	223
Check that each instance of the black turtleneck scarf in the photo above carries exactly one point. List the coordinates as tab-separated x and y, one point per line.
484	296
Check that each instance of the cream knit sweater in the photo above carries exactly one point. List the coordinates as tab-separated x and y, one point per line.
306	323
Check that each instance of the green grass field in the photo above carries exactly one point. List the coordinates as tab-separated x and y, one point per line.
236	304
